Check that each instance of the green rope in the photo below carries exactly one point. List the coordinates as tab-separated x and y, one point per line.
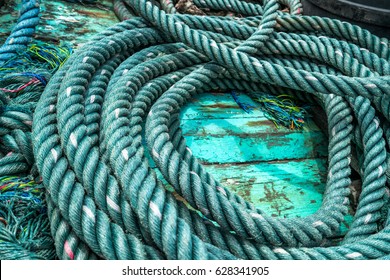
168	6
22	32
22	80
25	70
121	10
128	86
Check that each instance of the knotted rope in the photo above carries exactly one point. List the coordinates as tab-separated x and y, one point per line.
119	97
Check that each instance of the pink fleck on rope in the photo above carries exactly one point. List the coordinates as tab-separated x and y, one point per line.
68	250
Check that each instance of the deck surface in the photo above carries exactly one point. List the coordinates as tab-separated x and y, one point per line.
61	21
280	171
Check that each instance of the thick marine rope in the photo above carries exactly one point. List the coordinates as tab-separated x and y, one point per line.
23	31
105	199
121	10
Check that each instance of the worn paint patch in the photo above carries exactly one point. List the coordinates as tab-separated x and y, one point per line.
282	188
231	148
209	128
73	23
8	17
242	188
62	22
277	198
259	171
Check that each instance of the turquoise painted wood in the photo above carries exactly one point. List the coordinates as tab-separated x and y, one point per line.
280	171
73	23
62	22
281	188
215	120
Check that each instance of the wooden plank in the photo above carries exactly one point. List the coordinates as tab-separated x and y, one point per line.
8	17
218	106
63	22
254	147
219	131
73	23
282	188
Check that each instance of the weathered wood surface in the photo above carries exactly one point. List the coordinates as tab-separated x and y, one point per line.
283	172
217	121
62	22
279	170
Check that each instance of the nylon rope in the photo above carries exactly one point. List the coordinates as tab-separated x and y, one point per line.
119	97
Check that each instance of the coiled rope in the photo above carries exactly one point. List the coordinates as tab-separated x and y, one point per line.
128	85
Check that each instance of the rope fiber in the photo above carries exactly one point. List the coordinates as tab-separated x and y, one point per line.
118	99
25	69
